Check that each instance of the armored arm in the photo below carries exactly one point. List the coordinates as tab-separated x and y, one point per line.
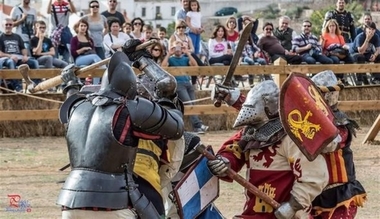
72	82
150	117
328	16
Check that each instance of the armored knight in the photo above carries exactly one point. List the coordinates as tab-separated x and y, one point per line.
103	132
345	21
343	193
275	164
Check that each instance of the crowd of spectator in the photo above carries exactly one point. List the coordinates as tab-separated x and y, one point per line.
100	34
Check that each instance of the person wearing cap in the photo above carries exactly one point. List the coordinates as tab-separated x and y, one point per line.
366	48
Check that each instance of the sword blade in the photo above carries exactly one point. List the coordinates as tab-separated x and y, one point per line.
235	59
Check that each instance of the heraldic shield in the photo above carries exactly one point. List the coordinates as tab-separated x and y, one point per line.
197	190
305	115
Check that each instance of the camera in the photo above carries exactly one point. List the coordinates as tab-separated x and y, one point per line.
178	48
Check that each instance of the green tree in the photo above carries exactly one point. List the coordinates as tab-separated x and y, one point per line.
318	16
170	29
271	11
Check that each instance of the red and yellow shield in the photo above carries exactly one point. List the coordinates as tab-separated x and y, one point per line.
306	117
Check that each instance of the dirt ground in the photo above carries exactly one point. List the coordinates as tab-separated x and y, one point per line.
29	169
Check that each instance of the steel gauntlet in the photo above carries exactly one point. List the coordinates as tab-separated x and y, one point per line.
287	210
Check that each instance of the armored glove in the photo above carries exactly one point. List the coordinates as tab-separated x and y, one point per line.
287	210
129	48
227	94
68	73
219	166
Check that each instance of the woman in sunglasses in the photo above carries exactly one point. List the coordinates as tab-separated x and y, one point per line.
137	28
232	34
97	26
157	52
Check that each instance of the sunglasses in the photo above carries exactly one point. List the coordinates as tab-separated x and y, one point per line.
137	23
268	29
8	25
156	49
112	1
181	27
306	25
94	6
42	28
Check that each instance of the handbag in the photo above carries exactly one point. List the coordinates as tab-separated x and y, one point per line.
339	52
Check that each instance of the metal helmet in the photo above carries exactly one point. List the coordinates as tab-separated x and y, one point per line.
329	85
119	78
260	106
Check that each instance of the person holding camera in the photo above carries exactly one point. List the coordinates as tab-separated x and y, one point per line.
180	55
307	45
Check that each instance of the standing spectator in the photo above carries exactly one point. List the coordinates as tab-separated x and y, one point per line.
111	13
181	13
115	39
163	40
366	47
284	33
98	27
43	49
334	47
185	90
82	47
272	46
194	22
13	50
137	28
367	21
232	34
218	47
60	12
127	28
23	18
308	46
345	21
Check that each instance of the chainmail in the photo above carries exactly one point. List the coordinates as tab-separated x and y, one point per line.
342	119
264	133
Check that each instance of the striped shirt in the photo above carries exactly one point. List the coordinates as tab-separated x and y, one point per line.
305	39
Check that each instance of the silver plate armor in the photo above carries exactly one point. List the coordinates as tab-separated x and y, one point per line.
327	78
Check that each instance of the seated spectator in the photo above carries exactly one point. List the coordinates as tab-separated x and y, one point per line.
273	47
232	34
218	47
284	33
334	46
243	21
97	26
251	56
366	48
157	51
127	28
147	32
43	49
179	55
180	35
82	47
367	21
14	53
137	28
115	39
307	45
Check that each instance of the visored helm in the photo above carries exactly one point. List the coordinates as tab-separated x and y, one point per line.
119	78
329	85
260	106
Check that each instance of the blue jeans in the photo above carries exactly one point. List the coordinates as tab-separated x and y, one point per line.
85	60
251	61
64	51
196	38
312	59
16	83
185	91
